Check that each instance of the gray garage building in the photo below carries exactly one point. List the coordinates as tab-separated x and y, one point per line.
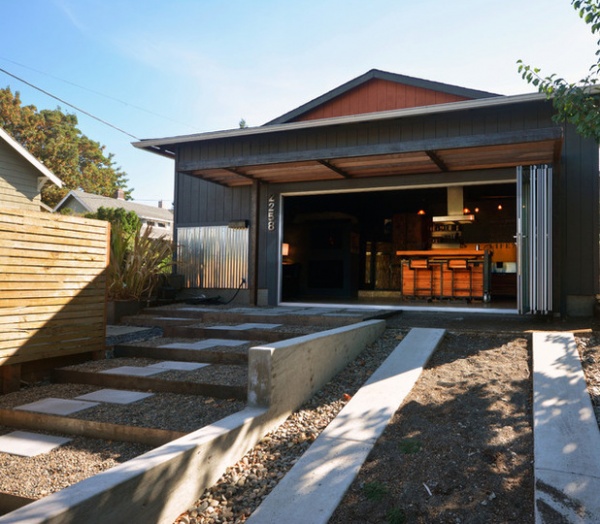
393	190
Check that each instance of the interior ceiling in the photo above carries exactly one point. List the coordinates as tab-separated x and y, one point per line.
416	162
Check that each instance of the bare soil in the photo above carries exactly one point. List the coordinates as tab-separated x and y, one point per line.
460	449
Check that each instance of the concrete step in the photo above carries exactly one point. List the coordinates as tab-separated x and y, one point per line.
215	351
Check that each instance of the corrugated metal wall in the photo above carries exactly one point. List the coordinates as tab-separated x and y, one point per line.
212	257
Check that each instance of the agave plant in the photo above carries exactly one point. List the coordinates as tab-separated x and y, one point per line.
137	262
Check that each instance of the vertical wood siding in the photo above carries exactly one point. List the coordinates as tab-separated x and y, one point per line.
52	285
379	95
578	194
202	203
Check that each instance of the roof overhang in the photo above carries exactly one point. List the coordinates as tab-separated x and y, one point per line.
438	155
41	168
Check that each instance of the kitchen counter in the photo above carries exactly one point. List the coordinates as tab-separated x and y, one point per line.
445	273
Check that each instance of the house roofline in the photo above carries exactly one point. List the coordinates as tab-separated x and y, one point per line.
30	158
381	75
163	144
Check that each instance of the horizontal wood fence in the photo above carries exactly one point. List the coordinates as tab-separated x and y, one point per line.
52	285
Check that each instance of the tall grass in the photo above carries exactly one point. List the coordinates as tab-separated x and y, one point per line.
137	263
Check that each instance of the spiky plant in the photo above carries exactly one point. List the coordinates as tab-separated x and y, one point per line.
137	262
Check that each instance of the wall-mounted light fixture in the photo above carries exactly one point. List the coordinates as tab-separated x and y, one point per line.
285	250
421	212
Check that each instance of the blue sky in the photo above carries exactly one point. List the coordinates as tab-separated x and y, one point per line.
157	69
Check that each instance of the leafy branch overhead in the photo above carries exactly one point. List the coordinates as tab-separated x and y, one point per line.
53	138
577	103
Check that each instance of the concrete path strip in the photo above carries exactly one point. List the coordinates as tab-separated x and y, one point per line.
566	435
319	480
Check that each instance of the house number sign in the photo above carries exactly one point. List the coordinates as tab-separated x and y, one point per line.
271	222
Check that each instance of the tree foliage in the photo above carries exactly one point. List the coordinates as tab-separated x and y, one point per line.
579	102
128	222
53	138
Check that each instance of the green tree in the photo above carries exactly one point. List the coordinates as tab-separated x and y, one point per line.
577	103
128	222
53	137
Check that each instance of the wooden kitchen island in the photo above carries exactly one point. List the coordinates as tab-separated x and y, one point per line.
445	273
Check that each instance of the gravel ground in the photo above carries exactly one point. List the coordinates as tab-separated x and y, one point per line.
245	484
589	352
243	487
35	477
233	375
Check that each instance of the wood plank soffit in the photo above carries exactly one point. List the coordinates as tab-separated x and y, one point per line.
385	159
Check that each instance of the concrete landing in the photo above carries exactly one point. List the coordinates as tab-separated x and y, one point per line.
246	326
114	396
57	406
566	434
27	444
321	477
178	366
133	371
206	344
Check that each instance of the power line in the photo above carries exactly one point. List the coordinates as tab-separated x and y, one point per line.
110	97
69	104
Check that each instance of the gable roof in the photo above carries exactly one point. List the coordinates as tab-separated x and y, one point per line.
93	202
43	170
376	74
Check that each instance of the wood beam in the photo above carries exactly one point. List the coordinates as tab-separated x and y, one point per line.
437	160
333	168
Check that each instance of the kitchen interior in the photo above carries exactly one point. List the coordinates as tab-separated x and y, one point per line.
444	244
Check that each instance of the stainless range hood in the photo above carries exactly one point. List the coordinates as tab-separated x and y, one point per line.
455	208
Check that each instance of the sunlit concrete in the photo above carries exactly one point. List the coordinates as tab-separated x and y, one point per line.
566	435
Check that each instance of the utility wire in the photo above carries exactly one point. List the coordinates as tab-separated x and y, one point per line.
69	104
110	97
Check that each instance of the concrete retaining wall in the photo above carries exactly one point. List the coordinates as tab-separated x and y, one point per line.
157	486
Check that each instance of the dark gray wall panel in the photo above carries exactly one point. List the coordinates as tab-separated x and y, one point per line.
202	203
579	193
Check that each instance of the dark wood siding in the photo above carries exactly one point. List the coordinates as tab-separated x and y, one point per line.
577	192
359	138
578	195
379	95
202	203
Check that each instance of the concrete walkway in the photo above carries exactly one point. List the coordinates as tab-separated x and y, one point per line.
566	435
323	474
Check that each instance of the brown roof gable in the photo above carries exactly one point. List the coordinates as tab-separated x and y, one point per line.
379	91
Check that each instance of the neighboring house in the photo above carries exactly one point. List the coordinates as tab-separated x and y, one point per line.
159	218
22	176
390	188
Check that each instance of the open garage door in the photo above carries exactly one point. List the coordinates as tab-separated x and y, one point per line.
534	239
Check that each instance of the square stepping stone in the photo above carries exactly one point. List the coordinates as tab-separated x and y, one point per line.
26	444
133	371
206	344
115	396
178	366
57	406
245	327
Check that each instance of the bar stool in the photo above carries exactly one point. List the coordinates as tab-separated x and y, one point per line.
418	266
460	267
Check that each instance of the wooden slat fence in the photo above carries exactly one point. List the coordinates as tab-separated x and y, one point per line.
52	285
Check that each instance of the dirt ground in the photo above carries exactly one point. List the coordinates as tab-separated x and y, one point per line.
460	449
